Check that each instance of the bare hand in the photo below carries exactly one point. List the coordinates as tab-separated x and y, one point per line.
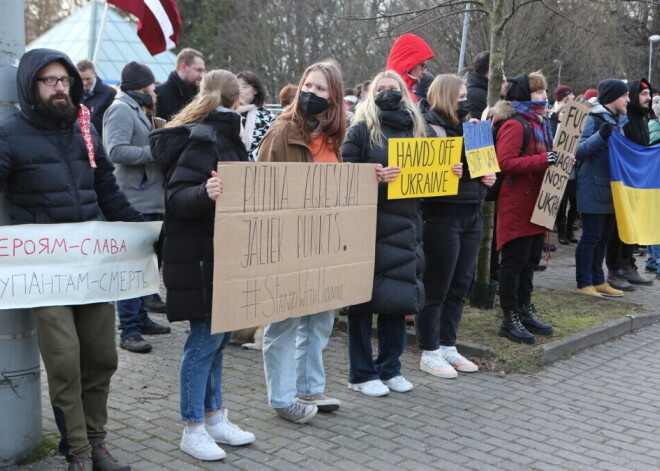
474	120
387	174
489	179
457	169
214	186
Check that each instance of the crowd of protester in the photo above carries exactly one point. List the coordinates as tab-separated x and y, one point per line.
426	249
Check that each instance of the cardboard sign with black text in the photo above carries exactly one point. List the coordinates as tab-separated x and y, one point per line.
556	176
292	239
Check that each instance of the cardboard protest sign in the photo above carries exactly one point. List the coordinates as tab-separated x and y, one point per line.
556	176
292	239
77	263
480	149
425	166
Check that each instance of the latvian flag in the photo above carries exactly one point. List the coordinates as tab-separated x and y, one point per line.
635	182
159	24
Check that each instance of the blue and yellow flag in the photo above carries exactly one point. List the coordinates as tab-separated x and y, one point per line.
635	182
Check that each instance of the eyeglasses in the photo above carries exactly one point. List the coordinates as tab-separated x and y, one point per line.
52	81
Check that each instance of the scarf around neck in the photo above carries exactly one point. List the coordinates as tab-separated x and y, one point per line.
248	119
540	124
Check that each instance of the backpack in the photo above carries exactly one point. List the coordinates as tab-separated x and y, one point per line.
494	191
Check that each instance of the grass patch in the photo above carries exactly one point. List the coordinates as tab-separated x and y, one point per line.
47	447
569	313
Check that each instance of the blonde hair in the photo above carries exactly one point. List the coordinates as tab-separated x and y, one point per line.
370	113
537	82
442	96
218	88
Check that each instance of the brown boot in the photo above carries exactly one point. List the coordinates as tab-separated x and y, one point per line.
104	461
79	463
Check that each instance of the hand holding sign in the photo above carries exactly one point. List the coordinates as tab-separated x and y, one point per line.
387	174
214	186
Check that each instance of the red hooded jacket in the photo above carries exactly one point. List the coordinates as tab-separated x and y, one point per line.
407	52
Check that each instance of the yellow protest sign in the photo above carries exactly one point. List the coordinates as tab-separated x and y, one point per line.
479	149
425	166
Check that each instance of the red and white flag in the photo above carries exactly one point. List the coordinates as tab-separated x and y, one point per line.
159	24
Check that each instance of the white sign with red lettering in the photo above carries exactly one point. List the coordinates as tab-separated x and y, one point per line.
77	263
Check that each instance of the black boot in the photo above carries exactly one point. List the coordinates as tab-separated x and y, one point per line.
561	233
153	303
570	236
513	329
530	321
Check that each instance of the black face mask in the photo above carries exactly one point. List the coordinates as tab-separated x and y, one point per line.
312	104
463	109
143	99
389	100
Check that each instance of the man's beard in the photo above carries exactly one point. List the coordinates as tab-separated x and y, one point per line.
60	111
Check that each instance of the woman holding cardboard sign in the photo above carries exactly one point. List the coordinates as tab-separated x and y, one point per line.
388	112
204	133
452	233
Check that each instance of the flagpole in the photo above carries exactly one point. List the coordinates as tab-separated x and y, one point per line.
97	47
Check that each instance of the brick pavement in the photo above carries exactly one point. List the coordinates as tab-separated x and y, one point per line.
597	410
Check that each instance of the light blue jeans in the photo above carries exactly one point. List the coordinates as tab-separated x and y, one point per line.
200	378
293	357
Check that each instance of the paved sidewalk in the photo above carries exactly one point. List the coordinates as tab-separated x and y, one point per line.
598	410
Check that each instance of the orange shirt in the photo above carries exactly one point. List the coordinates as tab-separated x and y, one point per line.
321	152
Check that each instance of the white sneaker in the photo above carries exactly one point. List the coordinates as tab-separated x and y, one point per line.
200	445
435	364
374	388
226	432
399	384
457	360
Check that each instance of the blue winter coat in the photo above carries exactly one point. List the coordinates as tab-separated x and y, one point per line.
594	195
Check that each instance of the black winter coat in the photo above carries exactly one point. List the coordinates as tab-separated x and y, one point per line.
471	192
637	129
44	167
398	286
189	212
173	95
477	93
99	102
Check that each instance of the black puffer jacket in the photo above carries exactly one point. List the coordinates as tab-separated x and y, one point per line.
189	212
44	167
637	129
173	95
398	287
477	93
471	192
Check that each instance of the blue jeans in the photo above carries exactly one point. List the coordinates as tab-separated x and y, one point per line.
392	339
590	251
200	377
131	312
450	246
293	357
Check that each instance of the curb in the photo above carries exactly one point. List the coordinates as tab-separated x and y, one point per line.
552	351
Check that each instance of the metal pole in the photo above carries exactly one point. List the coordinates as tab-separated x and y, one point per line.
20	387
92	32
650	59
99	38
559	77
466	29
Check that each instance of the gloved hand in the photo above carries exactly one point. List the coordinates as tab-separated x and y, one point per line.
552	157
605	130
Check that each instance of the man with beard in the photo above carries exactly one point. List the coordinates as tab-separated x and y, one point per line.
127	124
49	176
182	84
622	271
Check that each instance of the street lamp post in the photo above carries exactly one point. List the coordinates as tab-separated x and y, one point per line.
557	61
652	39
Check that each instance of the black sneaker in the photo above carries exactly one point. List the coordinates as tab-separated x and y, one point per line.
153	303
104	461
149	327
135	344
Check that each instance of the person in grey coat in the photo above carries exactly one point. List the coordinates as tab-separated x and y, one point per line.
127	124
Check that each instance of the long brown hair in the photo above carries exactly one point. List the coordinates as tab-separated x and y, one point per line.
442	96
334	125
218	88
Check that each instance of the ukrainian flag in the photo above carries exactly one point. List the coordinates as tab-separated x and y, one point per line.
635	182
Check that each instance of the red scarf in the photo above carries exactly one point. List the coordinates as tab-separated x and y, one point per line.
84	119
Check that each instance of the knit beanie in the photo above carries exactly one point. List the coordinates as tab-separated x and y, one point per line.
135	76
562	92
590	93
518	88
610	90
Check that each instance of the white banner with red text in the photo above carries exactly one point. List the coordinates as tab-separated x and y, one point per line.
77	263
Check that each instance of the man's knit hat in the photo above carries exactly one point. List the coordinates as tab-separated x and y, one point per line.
610	90
590	93
135	76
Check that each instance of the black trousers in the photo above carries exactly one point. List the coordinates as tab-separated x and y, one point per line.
617	252
516	279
